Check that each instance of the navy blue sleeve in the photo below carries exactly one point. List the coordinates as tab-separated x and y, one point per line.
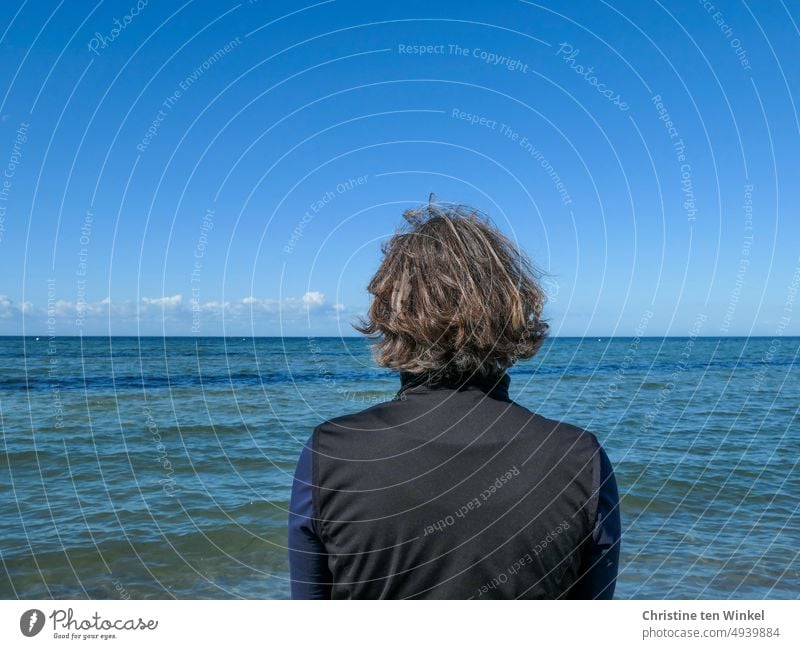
599	573
308	561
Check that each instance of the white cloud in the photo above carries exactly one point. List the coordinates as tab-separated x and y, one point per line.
10	309
176	314
257	305
313	299
166	301
174	309
7	307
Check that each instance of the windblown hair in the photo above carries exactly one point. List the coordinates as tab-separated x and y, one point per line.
453	295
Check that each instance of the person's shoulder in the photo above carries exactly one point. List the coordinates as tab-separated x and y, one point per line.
362	420
564	431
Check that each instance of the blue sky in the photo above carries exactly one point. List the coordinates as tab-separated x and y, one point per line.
213	167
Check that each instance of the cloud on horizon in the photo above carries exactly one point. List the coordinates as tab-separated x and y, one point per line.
173	314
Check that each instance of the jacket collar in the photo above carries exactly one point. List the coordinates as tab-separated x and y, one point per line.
495	386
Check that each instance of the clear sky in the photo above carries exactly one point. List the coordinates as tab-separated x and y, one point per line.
221	167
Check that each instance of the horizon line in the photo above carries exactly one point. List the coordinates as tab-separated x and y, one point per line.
232	336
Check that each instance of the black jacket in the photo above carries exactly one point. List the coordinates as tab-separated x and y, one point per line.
451	490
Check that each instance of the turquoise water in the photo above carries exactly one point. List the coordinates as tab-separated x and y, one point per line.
161	467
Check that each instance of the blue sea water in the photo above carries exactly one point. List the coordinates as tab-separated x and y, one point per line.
161	467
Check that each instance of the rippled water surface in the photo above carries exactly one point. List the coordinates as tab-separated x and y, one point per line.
161	467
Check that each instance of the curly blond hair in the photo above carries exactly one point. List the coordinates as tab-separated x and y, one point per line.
453	295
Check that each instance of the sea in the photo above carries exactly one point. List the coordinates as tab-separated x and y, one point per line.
161	467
